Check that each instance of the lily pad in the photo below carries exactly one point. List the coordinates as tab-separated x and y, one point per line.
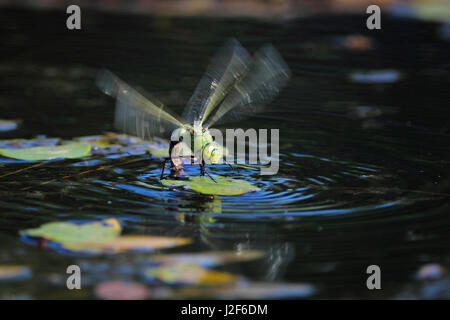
12	273
95	238
219	186
188	274
72	233
70	151
113	143
208	259
127	243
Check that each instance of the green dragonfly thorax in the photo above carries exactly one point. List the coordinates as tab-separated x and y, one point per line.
201	142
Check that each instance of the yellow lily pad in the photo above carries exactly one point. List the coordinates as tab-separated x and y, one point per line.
127	243
95	238
69	151
208	259
10	273
219	186
71	233
188	274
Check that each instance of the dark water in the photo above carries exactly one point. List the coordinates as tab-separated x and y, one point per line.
353	189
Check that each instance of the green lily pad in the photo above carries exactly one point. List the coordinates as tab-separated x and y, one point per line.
219	186
70	233
97	237
126	243
10	273
113	143
208	259
188	274
70	151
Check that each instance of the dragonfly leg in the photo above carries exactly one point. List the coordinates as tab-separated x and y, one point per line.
210	176
203	171
202	168
162	169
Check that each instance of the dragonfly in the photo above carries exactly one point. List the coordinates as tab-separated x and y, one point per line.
234	86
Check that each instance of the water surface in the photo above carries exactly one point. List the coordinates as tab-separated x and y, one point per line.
364	136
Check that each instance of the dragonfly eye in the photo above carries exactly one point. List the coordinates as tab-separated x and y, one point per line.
212	153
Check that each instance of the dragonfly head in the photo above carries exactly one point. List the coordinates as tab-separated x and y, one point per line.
212	153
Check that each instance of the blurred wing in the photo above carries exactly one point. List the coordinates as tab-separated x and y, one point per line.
229	64
266	77
135	114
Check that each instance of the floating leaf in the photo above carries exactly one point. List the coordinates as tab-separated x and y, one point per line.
70	151
221	185
127	243
121	290
175	183
95	237
208	259
12	273
188	274
8	125
112	143
66	232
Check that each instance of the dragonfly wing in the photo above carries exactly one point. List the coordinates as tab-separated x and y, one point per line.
228	65
267	76
135	114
